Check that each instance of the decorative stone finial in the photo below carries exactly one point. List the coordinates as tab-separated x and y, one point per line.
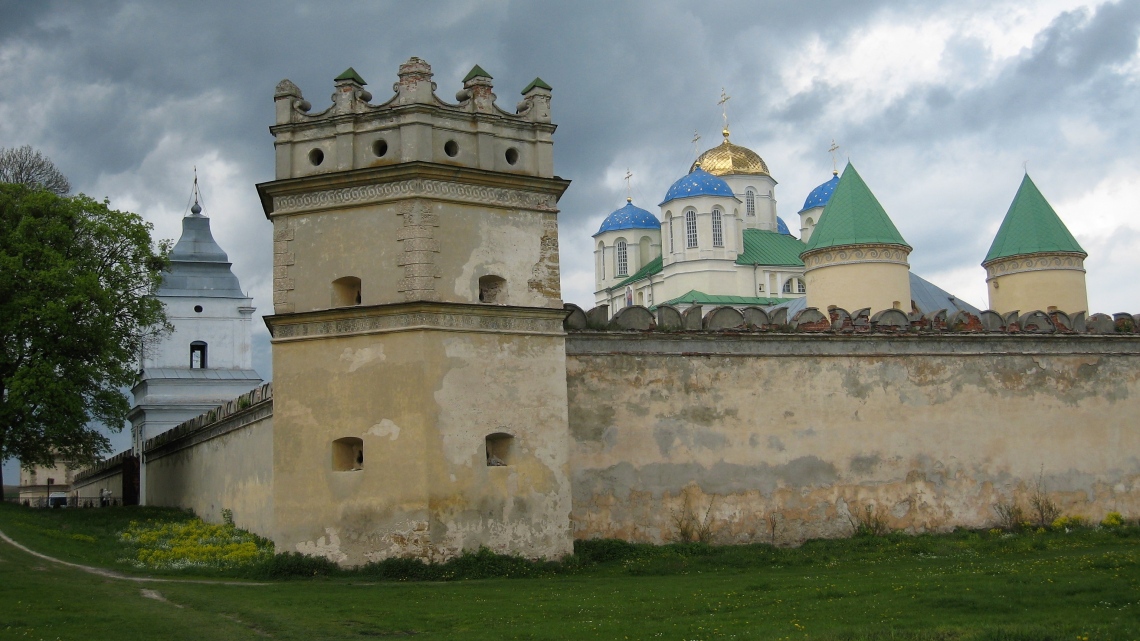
477	87
415	83
536	101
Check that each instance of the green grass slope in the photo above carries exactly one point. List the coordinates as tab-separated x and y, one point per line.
966	585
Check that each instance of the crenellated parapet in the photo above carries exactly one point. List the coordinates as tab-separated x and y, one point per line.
695	319
414	124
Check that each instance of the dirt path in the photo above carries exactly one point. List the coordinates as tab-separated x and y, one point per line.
110	574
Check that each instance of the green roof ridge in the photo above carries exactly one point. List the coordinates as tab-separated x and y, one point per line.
853	216
763	247
652	267
698	297
537	83
350	74
477	72
1031	226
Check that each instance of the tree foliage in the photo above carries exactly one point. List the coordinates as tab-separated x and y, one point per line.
26	166
75	284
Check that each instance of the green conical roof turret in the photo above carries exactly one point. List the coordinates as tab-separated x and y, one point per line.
350	74
1031	226
853	216
477	72
537	83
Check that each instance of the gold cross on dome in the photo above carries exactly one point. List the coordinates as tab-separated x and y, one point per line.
696	139
628	189
831	150
723	102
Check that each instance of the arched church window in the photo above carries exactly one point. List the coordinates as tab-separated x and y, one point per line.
690	229
602	260
622	258
717	227
669	215
750	202
198	355
795	285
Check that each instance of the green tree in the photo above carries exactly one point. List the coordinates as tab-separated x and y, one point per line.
76	279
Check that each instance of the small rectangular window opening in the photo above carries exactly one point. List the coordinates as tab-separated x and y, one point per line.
493	289
348	454
499	449
197	355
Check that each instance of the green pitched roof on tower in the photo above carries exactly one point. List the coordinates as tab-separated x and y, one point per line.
853	216
350	74
1031	226
537	83
477	72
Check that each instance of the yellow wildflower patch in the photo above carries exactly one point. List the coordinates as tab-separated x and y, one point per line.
194	543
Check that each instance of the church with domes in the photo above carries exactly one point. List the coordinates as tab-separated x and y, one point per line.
718	240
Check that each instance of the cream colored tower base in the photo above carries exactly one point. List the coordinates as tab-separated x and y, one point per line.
1037	282
858	276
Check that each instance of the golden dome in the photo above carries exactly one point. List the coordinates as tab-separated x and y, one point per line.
727	158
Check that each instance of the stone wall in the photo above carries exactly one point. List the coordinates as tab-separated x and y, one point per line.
782	436
220	460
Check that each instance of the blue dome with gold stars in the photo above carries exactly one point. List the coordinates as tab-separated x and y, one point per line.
782	227
698	182
629	217
820	195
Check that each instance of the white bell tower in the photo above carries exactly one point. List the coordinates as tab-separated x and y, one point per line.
207	359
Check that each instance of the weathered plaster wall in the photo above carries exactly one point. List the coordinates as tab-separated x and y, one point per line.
94	486
233	470
422	400
1032	290
855	285
785	435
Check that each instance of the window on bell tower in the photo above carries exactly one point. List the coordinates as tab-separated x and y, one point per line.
750	202
622	258
717	227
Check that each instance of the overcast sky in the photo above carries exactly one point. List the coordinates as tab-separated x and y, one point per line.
940	105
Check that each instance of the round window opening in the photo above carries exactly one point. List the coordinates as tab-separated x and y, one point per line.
316	157
451	148
512	156
380	147
198	308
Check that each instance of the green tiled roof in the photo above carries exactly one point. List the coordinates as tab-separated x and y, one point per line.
693	297
350	74
770	248
853	216
476	72
537	83
651	268
1031	226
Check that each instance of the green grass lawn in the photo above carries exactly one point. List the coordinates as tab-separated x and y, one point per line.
964	585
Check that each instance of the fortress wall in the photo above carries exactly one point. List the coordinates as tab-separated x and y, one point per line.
106	475
220	460
782	437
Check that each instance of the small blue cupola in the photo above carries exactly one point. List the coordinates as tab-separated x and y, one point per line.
698	182
782	227
820	195
629	217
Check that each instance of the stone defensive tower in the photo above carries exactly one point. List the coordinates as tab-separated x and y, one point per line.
1034	262
419	362
856	257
